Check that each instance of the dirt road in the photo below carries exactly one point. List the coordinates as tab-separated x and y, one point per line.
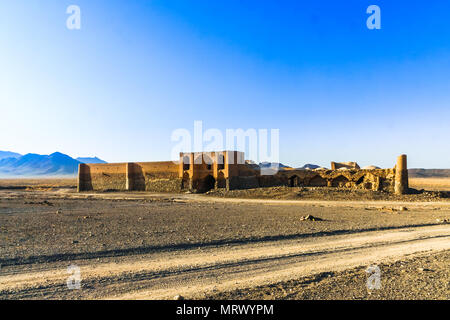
198	273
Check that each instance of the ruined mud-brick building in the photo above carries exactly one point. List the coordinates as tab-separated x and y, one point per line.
228	169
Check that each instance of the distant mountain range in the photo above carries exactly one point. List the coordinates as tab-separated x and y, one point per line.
265	165
310	166
8	154
13	165
91	160
428	173
33	165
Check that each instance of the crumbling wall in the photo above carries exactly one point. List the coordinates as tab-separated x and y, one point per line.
158	170
346	165
248	182
102	177
370	179
141	176
164	185
161	176
164	177
167	176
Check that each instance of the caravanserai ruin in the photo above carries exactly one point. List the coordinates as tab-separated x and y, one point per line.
203	171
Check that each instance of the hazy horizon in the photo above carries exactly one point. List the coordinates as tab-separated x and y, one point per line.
100	158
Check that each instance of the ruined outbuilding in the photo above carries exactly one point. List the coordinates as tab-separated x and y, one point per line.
200	172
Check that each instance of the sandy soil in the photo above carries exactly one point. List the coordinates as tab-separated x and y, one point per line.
41	184
423	277
331	194
442	184
141	245
214	271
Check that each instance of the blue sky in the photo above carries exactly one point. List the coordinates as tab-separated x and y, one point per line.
138	70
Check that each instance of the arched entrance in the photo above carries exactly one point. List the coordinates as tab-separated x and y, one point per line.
318	181
207	183
340	182
221	181
185	182
294	181
360	180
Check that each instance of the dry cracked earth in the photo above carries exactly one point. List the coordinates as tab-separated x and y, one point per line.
157	246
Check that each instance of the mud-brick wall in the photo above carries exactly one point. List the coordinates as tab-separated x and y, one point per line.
163	185
372	179
161	176
272	180
102	177
141	176
248	182
382	179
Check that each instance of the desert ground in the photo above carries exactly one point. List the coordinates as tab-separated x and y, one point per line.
430	183
244	244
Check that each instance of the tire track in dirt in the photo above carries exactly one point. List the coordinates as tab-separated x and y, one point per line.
193	273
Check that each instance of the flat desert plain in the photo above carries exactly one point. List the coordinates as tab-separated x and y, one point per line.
250	244
430	183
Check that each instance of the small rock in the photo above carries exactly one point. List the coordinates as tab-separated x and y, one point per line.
59	211
311	218
74	241
178	297
402	208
